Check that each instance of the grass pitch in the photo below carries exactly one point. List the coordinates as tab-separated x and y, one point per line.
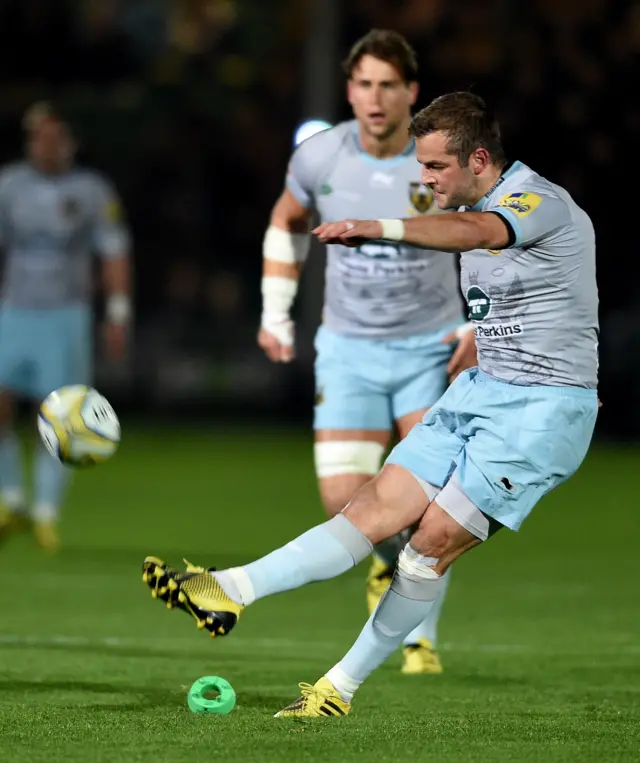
539	635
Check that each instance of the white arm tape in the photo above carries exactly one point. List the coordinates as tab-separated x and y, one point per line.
392	230
283	246
278	294
464	329
118	309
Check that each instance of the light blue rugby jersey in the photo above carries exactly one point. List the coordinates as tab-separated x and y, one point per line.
50	225
535	304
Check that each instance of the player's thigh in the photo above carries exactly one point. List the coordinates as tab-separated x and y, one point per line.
522	443
65	355
406	423
431	449
389	503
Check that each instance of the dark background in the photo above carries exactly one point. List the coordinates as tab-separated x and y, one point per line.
190	107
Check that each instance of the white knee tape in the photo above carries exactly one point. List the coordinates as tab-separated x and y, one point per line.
415	565
352	457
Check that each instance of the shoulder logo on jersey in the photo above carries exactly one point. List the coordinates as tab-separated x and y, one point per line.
479	303
421	197
521	204
325	190
113	211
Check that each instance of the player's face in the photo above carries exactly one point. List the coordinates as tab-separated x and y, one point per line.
380	99
50	146
453	186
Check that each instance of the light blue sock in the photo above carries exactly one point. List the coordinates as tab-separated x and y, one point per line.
11	471
411	595
321	553
428	628
51	478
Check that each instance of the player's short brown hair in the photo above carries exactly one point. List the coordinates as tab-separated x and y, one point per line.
41	111
385	45
468	123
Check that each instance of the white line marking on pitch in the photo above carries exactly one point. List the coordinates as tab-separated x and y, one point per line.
117	642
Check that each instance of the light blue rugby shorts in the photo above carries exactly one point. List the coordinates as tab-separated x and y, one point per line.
366	383
503	445
44	349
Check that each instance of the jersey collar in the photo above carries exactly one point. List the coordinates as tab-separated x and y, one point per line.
387	161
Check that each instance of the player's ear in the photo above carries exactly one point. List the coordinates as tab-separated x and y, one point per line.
479	160
350	88
414	89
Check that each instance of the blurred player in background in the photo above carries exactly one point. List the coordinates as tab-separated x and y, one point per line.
391	310
53	217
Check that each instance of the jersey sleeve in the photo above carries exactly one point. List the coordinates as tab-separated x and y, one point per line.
531	216
310	163
110	234
301	175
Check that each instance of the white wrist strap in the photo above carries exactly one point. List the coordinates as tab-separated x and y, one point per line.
283	246
392	230
278	294
277	298
118	309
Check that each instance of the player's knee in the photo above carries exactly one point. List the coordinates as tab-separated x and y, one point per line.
6	409
336	496
343	468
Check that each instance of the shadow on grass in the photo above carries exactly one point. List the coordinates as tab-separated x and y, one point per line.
133	697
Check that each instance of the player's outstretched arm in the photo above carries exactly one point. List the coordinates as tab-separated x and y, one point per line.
455	232
284	249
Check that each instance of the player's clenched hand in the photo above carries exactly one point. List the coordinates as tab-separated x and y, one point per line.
348	232
277	339
465	354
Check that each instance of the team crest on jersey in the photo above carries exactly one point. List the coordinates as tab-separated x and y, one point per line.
70	209
421	197
521	204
